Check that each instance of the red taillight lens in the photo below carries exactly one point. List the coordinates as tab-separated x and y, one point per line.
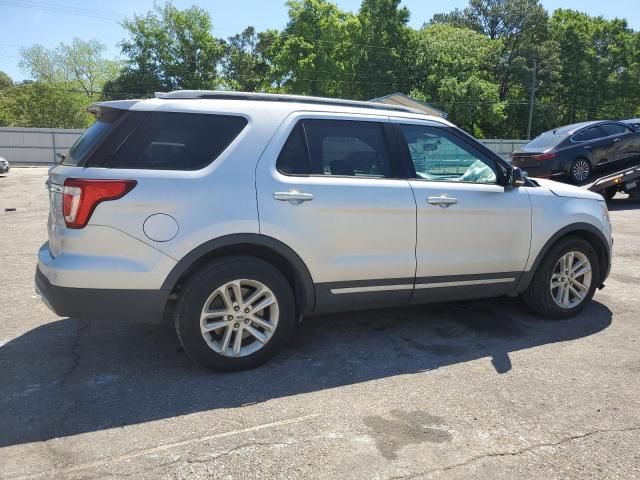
80	197
545	156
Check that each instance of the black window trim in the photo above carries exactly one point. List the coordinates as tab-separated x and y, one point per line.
398	170
477	148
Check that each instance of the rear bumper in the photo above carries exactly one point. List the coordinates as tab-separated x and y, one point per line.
546	169
145	306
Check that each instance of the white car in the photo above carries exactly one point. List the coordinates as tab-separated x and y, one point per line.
4	165
241	213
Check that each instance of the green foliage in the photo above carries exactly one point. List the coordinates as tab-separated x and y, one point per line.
314	55
600	75
383	55
80	65
168	49
44	105
476	63
453	71
245	67
5	80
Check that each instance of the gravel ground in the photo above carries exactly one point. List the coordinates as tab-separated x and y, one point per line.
472	389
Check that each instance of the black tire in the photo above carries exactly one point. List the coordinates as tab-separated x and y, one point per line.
609	193
202	283
538	298
577	170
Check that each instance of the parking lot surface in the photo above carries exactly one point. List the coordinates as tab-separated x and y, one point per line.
475	389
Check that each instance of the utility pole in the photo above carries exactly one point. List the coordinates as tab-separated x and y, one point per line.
533	98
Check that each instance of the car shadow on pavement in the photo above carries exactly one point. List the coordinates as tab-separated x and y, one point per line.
70	376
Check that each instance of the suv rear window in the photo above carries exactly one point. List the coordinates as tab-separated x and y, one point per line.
167	141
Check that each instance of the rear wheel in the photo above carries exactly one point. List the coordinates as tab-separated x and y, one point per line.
565	281
580	170
234	313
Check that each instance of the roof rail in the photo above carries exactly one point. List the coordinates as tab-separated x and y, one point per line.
271	97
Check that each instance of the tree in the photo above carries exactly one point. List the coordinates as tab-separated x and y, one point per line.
382	51
521	25
453	66
315	53
44	105
80	65
5	80
600	75
245	66
168	49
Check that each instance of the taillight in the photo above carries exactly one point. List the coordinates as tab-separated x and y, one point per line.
81	196
544	156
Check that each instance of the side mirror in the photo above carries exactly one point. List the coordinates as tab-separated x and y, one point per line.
516	177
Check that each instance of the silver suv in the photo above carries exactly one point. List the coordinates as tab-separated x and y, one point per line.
240	213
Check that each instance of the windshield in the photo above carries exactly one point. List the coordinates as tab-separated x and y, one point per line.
91	137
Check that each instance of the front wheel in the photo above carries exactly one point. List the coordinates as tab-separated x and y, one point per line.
234	313
565	280
580	170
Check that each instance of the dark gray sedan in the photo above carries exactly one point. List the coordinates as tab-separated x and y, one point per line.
577	149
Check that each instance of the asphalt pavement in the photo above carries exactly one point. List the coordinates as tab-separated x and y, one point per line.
478	389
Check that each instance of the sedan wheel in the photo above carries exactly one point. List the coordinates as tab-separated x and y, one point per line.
580	170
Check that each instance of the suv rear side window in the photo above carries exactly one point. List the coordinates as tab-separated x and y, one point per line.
336	147
168	141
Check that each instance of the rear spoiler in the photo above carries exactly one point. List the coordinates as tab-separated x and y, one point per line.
97	108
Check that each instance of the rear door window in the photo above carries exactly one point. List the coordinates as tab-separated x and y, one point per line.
176	141
348	148
587	134
615	129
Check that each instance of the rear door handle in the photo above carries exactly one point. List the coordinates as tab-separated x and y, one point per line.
293	196
444	201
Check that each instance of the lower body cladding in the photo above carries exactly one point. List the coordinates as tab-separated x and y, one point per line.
353	295
145	306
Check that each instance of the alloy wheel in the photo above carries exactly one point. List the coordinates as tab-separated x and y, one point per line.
239	318
571	279
580	170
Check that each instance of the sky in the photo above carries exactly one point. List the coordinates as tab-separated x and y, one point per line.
49	22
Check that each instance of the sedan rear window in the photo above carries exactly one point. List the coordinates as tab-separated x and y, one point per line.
545	141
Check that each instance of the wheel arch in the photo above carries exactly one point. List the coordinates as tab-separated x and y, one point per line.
587	232
251	244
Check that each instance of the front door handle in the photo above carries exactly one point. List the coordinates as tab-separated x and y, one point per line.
293	196
444	201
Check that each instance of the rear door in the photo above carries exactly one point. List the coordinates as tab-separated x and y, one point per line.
473	233
596	143
626	141
330	187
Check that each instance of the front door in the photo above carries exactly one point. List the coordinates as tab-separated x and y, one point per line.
330	188
473	233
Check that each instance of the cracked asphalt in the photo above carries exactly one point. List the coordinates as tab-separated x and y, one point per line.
472	389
